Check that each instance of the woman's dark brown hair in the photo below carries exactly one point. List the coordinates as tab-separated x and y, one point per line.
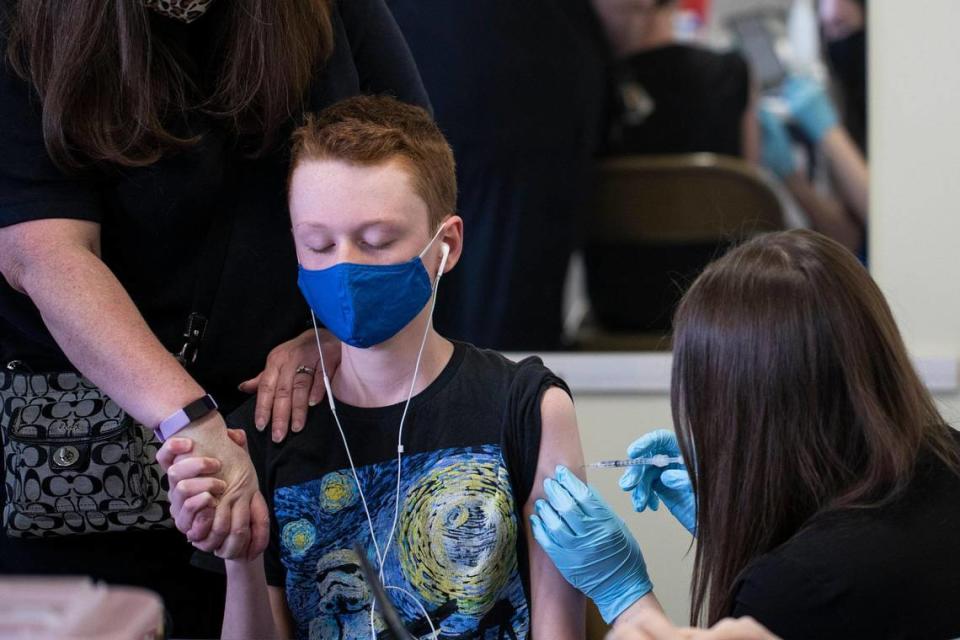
794	396
110	88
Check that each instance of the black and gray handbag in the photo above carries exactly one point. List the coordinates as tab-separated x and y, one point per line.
74	461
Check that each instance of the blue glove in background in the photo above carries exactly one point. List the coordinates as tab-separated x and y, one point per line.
590	544
649	485
777	149
810	107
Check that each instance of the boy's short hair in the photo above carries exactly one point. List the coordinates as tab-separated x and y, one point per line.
369	130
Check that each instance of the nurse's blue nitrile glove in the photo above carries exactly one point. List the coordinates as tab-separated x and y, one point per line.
649	485
810	107
777	150
590	544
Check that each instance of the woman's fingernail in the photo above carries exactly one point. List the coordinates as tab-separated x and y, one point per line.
277	436
313	403
260	424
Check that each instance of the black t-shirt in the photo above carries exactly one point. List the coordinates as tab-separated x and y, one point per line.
471	442
678	99
890	572
154	220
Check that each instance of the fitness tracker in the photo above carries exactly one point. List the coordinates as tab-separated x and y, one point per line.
193	411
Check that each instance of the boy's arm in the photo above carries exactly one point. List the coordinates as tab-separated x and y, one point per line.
281	612
252	609
557	609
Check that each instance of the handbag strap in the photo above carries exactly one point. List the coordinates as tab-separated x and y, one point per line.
212	263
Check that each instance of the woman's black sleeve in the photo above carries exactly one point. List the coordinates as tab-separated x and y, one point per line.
785	597
380	52
31	185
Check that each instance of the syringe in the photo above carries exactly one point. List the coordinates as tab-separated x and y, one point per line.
659	460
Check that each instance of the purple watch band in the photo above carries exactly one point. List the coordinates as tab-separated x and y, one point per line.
193	411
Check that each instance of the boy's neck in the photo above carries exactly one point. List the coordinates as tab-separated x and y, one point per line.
380	376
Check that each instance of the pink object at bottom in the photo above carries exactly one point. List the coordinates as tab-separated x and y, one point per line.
74	608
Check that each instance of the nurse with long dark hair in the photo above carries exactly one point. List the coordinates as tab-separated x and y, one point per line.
819	479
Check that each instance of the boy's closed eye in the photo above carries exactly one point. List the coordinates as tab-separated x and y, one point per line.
376	245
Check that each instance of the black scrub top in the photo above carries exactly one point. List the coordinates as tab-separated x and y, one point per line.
887	572
154	220
686	99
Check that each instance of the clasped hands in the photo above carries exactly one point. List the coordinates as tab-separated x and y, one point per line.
214	494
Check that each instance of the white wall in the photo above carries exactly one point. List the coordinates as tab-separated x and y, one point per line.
914	237
607	425
915	138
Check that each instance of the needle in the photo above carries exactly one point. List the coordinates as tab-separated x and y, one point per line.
659	460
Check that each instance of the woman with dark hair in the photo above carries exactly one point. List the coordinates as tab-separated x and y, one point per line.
822	484
143	214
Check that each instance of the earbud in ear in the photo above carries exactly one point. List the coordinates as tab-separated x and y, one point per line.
445	249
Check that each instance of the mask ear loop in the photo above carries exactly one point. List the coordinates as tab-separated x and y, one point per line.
432	240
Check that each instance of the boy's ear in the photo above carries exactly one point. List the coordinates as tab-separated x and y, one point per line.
453	238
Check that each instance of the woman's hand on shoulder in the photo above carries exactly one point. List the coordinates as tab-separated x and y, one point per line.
291	382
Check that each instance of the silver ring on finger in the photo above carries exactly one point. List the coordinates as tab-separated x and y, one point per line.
305	369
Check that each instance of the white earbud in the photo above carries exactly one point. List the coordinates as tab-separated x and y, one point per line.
445	248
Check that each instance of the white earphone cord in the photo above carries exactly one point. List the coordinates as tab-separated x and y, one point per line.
382	555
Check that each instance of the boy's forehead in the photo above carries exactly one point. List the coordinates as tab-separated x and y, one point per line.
328	192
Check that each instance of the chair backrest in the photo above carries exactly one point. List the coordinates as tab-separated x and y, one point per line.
681	199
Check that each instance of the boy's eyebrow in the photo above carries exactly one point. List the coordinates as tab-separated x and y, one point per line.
312	225
392	224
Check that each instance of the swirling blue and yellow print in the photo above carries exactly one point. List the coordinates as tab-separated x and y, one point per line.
455	548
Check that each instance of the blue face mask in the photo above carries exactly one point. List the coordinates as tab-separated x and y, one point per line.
366	304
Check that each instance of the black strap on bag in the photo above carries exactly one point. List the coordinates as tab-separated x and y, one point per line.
210	274
208	282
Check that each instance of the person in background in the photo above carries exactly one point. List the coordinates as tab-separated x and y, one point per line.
664	98
843	218
129	131
844	24
669	97
517	87
820	481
